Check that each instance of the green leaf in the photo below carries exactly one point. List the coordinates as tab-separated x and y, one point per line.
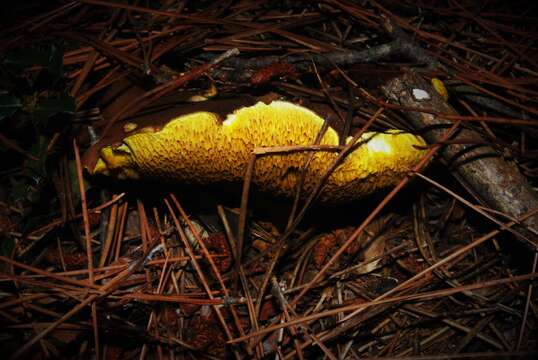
6	245
73	180
56	61
8	105
19	191
49	107
50	58
37	169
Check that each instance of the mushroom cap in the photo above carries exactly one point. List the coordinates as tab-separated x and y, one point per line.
201	148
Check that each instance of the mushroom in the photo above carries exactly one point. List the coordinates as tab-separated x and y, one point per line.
199	147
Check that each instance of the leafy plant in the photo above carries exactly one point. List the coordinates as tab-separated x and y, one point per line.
34	105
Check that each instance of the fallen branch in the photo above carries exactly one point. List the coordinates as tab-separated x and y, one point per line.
480	169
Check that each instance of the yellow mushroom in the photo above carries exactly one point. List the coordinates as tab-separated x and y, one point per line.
200	148
440	87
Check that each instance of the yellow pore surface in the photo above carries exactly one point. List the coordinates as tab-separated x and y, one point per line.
199	148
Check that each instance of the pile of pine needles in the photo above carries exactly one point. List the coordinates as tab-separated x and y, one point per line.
108	270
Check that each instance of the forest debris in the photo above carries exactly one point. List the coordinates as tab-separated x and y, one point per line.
363	258
481	169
